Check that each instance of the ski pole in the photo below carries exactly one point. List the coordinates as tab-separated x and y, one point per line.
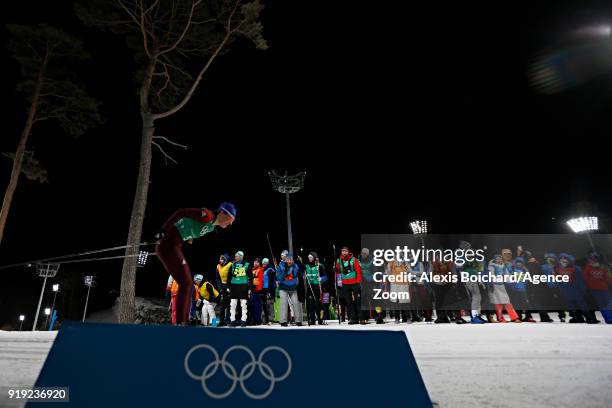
336	282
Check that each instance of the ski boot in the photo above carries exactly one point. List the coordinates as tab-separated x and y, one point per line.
284	324
477	320
459	320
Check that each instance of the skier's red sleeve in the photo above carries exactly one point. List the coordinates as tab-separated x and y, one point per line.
337	266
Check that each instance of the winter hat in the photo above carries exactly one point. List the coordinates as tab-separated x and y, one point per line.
284	253
257	260
345	247
228	208
225	257
289	256
519	259
240	254
198	278
314	254
566	256
550	255
265	261
594	256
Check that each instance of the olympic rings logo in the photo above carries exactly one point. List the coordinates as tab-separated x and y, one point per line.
230	371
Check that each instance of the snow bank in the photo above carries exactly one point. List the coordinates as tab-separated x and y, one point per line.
491	365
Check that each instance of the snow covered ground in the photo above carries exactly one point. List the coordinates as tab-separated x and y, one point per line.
492	365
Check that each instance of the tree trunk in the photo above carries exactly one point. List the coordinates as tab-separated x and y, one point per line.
128	273
19	153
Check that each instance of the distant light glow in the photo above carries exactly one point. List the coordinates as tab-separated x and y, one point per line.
418	227
583	224
56	287
596	30
21	318
47	311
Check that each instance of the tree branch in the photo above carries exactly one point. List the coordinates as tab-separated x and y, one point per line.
166	155
195	84
170	141
187	25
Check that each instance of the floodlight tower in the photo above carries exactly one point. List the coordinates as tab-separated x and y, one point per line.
584	225
48	270
288	184
419	229
90	281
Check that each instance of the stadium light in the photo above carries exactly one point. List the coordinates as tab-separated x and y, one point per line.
583	224
47	311
21	319
419	227
89	282
287	185
44	270
56	287
142	258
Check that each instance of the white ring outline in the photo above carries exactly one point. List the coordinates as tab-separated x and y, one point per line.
245	373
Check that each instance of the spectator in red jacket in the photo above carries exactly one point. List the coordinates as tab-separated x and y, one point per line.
255	299
597	278
349	269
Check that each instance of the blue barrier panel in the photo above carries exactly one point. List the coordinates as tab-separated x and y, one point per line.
109	365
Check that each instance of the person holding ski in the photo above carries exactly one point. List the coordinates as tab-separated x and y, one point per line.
195	303
269	290
287	276
255	301
209	297
350	270
222	274
241	279
315	276
185	225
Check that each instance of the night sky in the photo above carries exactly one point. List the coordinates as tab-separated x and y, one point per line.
422	111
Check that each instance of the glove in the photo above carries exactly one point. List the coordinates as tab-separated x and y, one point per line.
199	303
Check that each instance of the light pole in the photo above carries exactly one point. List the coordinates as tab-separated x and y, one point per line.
45	271
55	290
287	185
89	282
584	225
21	319
47	313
